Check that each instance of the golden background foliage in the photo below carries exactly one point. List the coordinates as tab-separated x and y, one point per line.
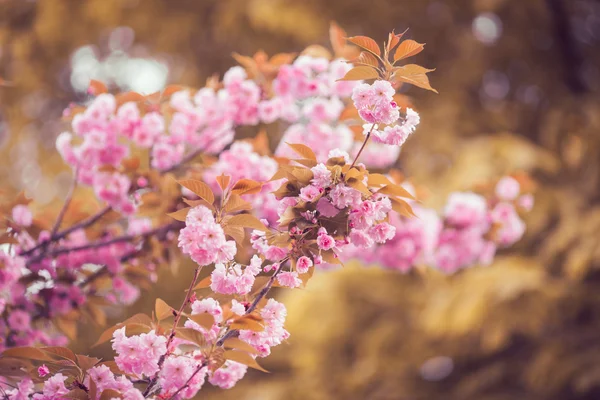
525	328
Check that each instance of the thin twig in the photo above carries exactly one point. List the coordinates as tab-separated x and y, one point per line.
162	358
363	146
186	384
97	245
184	160
83	224
263	292
63	210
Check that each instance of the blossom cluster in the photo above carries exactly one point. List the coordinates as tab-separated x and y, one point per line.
256	222
469	231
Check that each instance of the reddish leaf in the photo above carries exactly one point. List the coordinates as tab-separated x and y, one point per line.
303	150
223	181
199	188
366	43
238	344
243	358
415	75
408	48
180	214
162	309
205	320
361	72
96	87
247	221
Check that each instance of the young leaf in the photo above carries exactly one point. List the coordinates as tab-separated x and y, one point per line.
247	221
181	214
205	320
199	188
337	38
415	75
236	203
303	150
366	58
14	367
238	344
408	48
203	284
396	190
61	352
250	322
246	186
243	358
223	181
402	207
361	72
108	394
378	180
139	319
236	232
96	87
394	39
366	43
30	353
191	335
162	309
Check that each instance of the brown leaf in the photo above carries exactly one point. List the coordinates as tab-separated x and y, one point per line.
61	352
96	87
236	203
67	326
415	75
366	43
408	48
180	214
243	358
162	309
361	72
199	188
138	319
78	394
203	284
191	335
205	320
108	394
396	190
246	186
247	221
30	353
378	180
238	344
86	362
223	181
303	150
250	322
394	39
14	367
236	232
402	207
337	37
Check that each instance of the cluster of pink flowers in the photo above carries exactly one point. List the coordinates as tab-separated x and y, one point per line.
311	210
468	232
241	161
376	106
203	238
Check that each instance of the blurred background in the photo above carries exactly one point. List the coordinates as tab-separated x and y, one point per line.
518	83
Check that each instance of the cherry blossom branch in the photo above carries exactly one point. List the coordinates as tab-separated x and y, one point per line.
96	245
186	384
263	292
363	146
184	160
173	330
83	224
65	206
